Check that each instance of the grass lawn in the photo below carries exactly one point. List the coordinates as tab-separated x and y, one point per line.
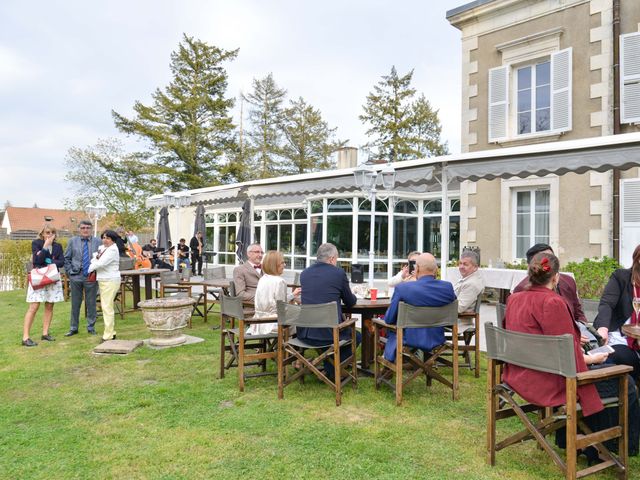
164	414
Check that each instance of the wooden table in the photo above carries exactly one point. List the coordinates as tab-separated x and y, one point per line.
632	331
221	283
148	274
368	309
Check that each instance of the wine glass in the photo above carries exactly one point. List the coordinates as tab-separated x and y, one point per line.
636	305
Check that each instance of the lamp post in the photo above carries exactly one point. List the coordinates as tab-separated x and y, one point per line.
365	177
96	212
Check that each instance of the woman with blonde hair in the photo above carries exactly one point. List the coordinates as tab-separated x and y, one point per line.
106	264
46	251
271	288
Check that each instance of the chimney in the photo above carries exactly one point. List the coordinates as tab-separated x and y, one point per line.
347	157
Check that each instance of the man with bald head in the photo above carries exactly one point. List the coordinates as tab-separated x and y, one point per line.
426	291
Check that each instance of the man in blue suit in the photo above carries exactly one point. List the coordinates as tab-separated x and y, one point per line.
426	291
324	282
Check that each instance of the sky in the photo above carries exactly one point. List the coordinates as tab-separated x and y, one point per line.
64	66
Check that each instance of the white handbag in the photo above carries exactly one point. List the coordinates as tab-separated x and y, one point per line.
41	277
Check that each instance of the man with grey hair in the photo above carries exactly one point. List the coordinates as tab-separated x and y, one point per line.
471	284
247	275
324	282
77	258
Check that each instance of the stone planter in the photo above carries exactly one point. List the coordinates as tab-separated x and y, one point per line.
166	318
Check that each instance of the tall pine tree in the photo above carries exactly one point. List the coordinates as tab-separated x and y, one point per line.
401	128
188	124
310	142
264	137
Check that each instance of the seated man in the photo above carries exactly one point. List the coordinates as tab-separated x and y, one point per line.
183	253
324	282
467	289
152	251
246	276
426	291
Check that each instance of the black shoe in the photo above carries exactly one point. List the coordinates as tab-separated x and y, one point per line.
29	343
92	332
48	338
71	333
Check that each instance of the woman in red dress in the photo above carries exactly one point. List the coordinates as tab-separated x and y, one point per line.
540	310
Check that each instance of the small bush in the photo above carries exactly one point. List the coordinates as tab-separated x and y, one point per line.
592	275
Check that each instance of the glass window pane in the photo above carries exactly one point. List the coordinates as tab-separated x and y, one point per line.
233	217
316	234
524	100
523	202
256	235
454	237
287	261
543	73
209	217
523	224
300	247
272	237
222	239
543	120
364	226
285	215
339	230
542	216
271	215
381	236
285	238
524	123
543	97
406	206
381	206
316	206
455	206
365	205
300	214
431	238
339	205
432	206
522	245
299	263
257	215
405	236
222	217
542	199
209	237
524	78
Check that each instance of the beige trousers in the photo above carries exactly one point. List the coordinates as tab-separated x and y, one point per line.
108	292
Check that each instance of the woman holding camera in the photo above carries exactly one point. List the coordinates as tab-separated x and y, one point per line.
46	251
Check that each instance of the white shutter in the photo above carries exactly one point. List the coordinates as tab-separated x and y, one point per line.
629	219
561	90
630	77
498	103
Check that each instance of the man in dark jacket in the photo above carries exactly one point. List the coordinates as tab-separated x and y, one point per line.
324	282
77	257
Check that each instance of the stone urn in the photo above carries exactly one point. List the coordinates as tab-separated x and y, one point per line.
166	319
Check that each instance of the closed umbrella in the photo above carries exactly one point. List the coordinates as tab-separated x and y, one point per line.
199	225
164	234
243	239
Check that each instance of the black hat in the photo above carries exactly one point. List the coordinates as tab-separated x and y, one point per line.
537	248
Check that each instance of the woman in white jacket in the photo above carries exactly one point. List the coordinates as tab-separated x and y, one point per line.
106	263
271	288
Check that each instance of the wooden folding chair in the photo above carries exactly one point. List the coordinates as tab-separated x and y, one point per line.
552	354
410	316
245	350
292	349
466	333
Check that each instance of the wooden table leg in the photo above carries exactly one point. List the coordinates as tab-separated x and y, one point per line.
136	291
148	295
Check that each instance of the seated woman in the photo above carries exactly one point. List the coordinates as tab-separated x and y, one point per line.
271	288
407	273
540	310
616	309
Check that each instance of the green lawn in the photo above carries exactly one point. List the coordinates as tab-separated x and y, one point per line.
65	413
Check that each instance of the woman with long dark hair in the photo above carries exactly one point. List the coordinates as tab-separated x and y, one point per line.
616	310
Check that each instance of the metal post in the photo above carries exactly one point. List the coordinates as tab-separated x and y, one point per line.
444	224
372	230
175	256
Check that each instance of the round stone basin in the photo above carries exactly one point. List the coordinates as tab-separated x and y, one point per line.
166	319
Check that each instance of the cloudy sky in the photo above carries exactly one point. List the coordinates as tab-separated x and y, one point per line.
65	65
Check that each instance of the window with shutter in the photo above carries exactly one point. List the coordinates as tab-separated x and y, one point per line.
561	90
630	77
498	103
629	219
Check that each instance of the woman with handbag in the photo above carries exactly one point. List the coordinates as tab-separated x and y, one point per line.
106	264
47	256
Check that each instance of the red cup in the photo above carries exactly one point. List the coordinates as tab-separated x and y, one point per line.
373	293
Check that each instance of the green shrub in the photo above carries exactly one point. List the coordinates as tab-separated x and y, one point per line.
592	275
13	256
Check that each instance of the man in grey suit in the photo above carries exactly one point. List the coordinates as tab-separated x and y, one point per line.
246	276
77	257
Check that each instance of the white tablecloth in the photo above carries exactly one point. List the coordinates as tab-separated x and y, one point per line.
504	278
